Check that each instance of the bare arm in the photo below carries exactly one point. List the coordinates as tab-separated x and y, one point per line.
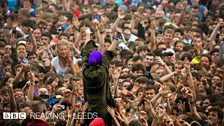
159	59
213	35
182	14
18	76
13	104
187	66
194	111
77	40
33	41
114	26
133	30
65	4
164	90
167	77
153	37
112	113
100	39
70	121
114	45
190	95
119	18
72	97
155	98
31	87
30	92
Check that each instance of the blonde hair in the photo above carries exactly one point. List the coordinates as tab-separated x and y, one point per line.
62	42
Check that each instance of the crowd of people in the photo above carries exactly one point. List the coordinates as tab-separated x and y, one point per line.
112	62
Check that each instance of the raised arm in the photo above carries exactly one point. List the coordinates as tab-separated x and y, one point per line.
214	33
13	104
100	38
33	40
72	98
167	76
153	37
159	59
20	74
31	87
114	44
65	4
133	30
119	18
112	113
182	14
187	66
190	96
164	90
79	36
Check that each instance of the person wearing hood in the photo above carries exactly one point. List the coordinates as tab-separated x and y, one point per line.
96	80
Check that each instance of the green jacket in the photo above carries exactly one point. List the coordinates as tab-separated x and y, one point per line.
96	81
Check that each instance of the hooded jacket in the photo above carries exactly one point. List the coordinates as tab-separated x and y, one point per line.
96	81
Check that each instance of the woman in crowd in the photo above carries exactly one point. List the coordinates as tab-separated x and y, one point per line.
65	62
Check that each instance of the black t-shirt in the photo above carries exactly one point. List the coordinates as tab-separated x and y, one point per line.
20	84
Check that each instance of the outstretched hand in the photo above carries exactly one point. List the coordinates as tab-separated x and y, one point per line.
111	110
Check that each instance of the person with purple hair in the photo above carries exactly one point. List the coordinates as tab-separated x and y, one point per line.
96	81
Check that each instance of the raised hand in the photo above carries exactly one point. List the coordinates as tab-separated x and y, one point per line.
164	91
185	3
181	106
159	59
10	86
75	21
189	93
180	84
148	105
85	106
121	15
111	111
116	74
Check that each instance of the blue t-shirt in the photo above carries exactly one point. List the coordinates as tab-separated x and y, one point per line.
201	11
12	4
133	2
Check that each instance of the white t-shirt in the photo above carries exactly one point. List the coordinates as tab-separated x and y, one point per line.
132	38
58	69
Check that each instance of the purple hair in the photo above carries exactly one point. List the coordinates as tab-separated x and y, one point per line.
95	58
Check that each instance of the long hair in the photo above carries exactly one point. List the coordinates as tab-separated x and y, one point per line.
95	58
61	58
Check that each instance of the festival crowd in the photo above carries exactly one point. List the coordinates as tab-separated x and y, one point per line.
112	62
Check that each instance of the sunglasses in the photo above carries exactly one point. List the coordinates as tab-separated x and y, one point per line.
43	28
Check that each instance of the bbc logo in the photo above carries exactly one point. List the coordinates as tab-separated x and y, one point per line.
14	115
